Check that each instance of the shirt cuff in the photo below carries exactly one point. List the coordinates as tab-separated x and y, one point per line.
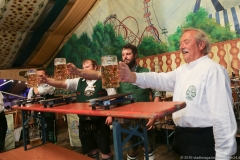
68	83
138	79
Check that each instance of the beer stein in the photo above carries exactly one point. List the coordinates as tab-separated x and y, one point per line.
32	80
109	70
60	69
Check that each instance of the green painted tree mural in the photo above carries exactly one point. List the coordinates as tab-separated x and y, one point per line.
201	20
149	46
104	41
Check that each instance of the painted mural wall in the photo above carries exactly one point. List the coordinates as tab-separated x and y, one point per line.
155	27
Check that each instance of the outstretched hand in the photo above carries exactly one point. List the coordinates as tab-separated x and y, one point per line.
72	69
108	120
125	74
42	79
150	124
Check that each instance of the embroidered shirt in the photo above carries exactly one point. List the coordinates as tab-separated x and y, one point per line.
205	87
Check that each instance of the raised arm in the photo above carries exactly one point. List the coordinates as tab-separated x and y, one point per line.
88	74
52	82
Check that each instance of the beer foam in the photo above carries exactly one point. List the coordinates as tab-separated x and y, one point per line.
31	73
108	64
59	63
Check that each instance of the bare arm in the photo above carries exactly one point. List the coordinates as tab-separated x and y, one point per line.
52	82
88	74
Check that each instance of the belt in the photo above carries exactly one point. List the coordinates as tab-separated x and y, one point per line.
191	129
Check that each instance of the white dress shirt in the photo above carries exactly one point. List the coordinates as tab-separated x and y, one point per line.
43	89
205	87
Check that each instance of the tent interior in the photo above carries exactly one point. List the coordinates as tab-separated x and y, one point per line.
30	36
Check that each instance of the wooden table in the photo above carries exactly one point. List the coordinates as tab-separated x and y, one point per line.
139	110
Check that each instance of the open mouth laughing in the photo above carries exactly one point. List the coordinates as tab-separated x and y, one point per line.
184	51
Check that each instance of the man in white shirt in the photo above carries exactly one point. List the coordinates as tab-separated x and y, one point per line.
3	124
42	90
207	126
46	91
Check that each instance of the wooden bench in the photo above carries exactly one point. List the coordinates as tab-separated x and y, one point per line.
47	151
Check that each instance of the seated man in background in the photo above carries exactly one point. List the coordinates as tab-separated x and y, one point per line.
129	56
94	132
46	91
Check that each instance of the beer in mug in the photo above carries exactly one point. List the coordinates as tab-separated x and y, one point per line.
109	70
32	80
60	69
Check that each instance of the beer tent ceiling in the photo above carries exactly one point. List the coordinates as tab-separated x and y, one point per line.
32	31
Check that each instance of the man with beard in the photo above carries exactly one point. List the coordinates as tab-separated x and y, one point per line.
129	56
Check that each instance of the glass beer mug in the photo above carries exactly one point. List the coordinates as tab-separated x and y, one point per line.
32	80
109	70
60	69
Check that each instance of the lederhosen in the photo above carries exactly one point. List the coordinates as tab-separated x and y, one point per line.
140	95
93	132
3	130
50	123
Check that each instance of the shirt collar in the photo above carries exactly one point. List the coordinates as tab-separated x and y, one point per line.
87	80
194	63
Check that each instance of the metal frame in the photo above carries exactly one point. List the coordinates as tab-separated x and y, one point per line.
25	125
126	112
167	137
117	131
132	131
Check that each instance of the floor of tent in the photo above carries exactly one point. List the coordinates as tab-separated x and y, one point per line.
162	151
